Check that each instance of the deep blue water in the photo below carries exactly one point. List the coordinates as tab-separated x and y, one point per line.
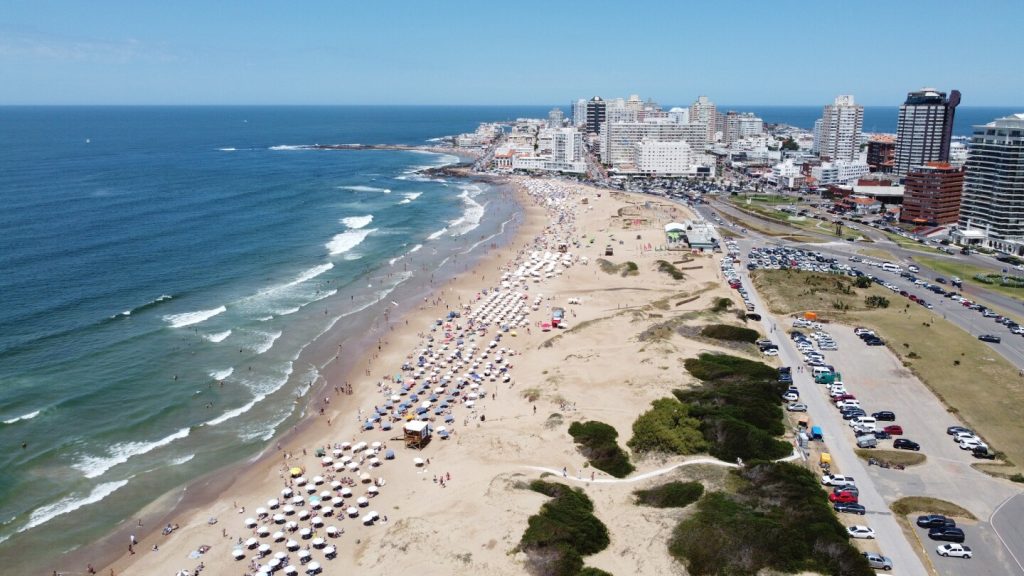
148	252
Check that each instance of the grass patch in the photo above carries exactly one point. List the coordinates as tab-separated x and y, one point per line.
876	253
727	332
598	442
791	291
926	505
667	428
563	532
723	367
779	520
670	495
670	269
901	457
721	305
531	394
967	273
625	269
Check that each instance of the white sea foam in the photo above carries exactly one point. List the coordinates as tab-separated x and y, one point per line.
325	294
366	189
437	234
262	388
287	311
94	466
471	216
357	222
221	374
227	149
415	248
264	341
182	460
190	318
346	241
237	411
46	513
28	416
289	147
265	318
410	196
217	336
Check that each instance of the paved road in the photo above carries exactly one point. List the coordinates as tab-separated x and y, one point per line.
890	537
1008	527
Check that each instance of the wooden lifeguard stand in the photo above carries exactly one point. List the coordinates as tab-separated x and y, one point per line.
416	434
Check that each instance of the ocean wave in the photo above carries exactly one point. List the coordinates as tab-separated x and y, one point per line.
182	460
324	294
261	388
137	309
221	374
265	318
415	248
28	416
410	196
471	216
70	504
287	311
346	241
366	189
437	234
357	222
190	318
236	412
290	147
227	149
217	337
264	341
94	466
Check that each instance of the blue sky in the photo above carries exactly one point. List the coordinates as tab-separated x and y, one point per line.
521	52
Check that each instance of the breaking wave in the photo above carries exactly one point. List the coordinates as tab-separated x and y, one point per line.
190	318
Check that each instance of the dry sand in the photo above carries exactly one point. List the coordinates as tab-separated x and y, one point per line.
598	368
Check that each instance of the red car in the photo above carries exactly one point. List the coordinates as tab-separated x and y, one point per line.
844	497
894	429
842	397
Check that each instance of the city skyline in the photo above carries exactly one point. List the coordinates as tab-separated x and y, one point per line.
60	52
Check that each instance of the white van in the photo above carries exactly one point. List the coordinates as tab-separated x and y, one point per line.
863	421
819	370
890	267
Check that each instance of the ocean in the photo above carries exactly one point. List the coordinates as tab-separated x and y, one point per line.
150	253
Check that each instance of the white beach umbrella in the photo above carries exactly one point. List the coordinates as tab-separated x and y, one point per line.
238	553
362	501
292	545
273	503
303	555
372	490
317	521
368	519
303	514
300	481
263	549
318	542
288	509
335	484
318	480
332	531
352	511
250	522
289	569
278	536
287	492
279	518
305	533
313	567
330	551
263	531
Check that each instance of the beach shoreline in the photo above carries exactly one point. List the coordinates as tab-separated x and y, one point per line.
334	369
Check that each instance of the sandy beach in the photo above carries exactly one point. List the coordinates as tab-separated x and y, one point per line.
463	508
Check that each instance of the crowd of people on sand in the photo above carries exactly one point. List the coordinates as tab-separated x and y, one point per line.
458	365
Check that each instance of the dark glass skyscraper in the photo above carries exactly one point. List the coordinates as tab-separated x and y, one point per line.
925	129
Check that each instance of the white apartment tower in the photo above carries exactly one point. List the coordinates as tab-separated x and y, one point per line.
993	196
579	112
704	112
841	123
567	145
662	158
556	118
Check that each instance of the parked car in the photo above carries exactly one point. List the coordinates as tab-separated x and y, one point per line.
935	521
790	396
990	338
860	532
954	550
972	443
957	429
849	508
904	444
845	497
982	453
947	533
797	407
884	416
854	412
837	480
882	435
877	561
852	488
894	429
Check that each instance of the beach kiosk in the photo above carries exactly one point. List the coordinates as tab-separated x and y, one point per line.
416	434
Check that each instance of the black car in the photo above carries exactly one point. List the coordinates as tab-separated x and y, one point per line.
875	342
884	416
904	444
990	338
982	453
849	508
947	533
853	413
957	429
882	435
935	521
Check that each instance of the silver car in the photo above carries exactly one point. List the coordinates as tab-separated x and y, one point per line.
877	561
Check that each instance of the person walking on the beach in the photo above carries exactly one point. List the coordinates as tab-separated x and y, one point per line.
565	473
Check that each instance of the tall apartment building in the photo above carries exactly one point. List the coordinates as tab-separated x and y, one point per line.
579	112
556	118
662	158
679	115
567	145
618	139
816	143
841	123
932	194
739	125
992	205
595	114
881	153
925	128
703	111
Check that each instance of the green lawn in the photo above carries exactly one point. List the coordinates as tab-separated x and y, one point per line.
909	244
966	273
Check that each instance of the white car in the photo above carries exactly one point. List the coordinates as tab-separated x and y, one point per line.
971	444
836	480
771	352
848	404
961	436
790	396
860	532
954	550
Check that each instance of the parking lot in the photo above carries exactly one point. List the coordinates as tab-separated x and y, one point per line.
880	382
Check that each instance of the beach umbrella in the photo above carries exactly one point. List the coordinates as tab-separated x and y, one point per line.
345	445
263	549
313	568
238	553
305	533
303	514
298	500
327	461
368	519
338	466
318	542
291	526
332	531
359	447
335	484
336	452
273	503
375	461
292	545
289	569
372	490
250	522
288	509
263	531
278	518
365	478
330	552
318	480
287	492
352	511
280	556
300	481
317	521
295	472
251	543
389	454
261	512
303	556
337	502
346	492
278	536
325	494
353	466
274	564
362	501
